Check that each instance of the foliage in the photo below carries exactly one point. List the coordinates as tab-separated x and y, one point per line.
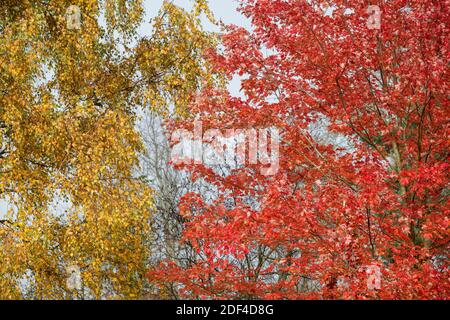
69	146
333	212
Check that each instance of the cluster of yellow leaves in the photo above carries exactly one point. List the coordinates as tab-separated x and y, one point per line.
175	56
68	144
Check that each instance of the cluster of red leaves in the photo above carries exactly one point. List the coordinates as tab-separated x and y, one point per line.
330	212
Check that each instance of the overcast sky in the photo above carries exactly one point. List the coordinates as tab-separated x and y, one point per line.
224	10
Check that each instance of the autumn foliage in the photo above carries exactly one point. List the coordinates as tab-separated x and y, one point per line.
69	149
368	192
357	208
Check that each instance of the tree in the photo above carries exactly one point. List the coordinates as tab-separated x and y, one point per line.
366	218
169	185
71	87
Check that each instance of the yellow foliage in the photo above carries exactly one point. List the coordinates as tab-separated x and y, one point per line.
68	144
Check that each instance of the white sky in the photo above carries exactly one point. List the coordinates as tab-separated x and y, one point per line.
224	10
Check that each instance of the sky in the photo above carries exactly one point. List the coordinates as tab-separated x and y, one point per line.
224	10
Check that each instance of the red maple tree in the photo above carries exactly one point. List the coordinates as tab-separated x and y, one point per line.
359	206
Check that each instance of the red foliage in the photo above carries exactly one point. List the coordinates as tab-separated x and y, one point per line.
330	212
